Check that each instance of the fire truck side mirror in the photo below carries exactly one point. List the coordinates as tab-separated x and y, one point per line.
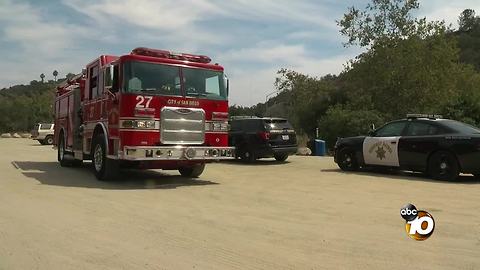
227	83
111	78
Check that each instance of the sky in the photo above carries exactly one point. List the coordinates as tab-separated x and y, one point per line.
251	39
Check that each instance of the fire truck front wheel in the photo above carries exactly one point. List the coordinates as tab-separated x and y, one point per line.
193	172
105	169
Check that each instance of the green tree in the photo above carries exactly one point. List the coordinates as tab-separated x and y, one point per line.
342	121
415	76
385	22
467	20
22	106
307	98
468	37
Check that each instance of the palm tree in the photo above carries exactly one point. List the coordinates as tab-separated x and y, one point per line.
42	76
55	74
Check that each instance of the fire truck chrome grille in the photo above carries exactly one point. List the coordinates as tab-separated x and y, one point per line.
182	126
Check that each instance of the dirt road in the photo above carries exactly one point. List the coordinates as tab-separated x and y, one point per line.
304	214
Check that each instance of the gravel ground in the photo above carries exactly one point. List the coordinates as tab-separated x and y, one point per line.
302	214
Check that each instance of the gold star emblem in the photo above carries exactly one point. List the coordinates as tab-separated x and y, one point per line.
380	153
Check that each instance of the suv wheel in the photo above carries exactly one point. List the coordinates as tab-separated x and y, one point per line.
281	157
48	140
194	171
248	156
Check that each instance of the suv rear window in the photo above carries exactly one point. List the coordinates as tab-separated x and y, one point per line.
271	124
45	126
250	125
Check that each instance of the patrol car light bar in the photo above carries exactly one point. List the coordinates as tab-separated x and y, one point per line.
429	116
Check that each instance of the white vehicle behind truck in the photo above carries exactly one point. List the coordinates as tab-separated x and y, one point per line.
43	133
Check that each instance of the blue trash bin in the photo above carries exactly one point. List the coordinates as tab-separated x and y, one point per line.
320	148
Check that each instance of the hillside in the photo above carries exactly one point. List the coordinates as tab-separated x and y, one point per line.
22	106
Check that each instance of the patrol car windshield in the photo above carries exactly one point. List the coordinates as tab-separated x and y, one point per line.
461	127
158	79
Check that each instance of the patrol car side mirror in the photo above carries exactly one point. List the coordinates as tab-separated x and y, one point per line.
371	132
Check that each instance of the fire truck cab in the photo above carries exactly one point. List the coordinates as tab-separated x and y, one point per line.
150	109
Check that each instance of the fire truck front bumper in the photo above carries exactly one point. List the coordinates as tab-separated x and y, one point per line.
190	153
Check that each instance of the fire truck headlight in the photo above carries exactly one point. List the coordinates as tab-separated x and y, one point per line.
128	124
224	126
219	126
150	124
141	124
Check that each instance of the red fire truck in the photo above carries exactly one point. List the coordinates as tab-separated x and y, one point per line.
150	109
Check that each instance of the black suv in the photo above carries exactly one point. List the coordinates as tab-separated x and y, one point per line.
256	138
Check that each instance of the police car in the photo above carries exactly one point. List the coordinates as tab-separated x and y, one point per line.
442	148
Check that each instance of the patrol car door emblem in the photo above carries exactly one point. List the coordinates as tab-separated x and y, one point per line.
380	153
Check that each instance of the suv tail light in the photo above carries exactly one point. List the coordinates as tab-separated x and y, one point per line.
264	135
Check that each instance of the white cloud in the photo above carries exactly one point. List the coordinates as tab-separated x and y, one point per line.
172	22
179	22
285	34
251	85
310	12
24	25
449	11
165	15
39	45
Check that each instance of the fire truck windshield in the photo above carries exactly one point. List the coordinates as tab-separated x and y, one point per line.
165	80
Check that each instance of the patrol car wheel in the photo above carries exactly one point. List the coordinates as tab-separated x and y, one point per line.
193	172
347	160
443	165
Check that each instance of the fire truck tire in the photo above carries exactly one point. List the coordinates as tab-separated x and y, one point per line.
61	152
105	169
193	172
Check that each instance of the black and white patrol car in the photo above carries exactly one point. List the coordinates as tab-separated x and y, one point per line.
442	148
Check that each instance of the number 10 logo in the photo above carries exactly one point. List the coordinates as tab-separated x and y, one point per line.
419	224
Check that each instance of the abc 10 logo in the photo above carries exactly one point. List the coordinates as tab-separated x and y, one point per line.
419	223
